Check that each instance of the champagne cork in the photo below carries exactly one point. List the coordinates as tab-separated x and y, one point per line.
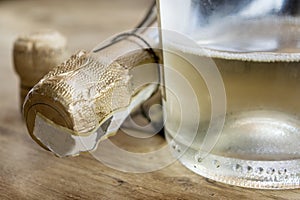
34	55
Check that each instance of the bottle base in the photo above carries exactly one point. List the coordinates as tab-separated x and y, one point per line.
246	173
256	149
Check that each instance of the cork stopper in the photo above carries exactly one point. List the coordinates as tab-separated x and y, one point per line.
35	54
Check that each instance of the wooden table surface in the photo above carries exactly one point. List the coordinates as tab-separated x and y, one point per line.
29	172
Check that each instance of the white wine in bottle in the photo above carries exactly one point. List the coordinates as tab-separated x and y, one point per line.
259	143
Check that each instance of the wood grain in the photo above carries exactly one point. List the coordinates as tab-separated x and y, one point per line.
29	172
